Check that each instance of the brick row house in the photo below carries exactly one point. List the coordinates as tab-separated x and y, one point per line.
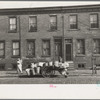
72	33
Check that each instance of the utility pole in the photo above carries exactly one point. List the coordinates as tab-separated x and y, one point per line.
19	37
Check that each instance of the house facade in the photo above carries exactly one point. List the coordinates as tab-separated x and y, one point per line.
72	33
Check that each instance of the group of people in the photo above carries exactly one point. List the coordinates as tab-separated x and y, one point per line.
35	68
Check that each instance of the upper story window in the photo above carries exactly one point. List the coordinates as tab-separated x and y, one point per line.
80	46
33	23
96	46
53	22
2	48
16	48
46	48
94	21
12	24
30	47
73	21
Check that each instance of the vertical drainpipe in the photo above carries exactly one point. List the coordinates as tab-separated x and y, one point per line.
20	36
62	34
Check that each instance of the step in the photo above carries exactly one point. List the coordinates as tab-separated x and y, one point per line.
71	65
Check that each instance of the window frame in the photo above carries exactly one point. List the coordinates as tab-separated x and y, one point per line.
3	68
50	26
31	40
83	47
49	48
76	24
96	46
81	63
14	64
97	16
3	41
32	23
16	56
12	31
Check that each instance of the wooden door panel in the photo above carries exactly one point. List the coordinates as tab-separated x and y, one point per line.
68	52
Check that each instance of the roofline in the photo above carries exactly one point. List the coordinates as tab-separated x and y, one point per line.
54	8
76	6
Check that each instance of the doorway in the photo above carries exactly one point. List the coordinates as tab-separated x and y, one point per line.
58	49
68	51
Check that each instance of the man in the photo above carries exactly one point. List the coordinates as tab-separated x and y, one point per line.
63	68
19	66
28	69
33	67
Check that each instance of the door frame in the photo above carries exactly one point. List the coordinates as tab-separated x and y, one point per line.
60	38
70	52
71	48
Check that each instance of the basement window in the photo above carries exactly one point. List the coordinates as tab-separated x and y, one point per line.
14	66
82	66
2	67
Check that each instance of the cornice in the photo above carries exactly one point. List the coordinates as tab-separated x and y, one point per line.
44	10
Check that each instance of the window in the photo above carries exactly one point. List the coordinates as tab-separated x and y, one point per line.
46	47
80	46
16	48
31	47
94	21
33	23
2	67
53	22
13	24
81	66
96	46
14	66
2	48
73	22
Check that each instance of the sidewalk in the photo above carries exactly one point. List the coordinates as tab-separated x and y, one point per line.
10	74
5	74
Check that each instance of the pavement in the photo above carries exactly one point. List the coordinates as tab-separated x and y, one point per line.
14	74
74	77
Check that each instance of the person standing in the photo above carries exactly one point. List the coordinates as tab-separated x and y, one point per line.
19	66
33	67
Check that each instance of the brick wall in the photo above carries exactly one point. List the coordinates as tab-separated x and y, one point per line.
43	32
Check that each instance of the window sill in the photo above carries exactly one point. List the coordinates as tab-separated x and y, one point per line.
2	56
30	56
12	31
15	56
52	30
32	31
80	55
96	55
73	29
45	56
94	28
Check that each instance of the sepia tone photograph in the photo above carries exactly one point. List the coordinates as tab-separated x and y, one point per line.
49	42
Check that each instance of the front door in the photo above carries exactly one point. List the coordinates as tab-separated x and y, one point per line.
68	52
58	49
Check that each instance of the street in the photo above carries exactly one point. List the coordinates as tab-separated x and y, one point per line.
58	80
75	77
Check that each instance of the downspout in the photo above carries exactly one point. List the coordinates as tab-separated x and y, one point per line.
20	37
62	34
